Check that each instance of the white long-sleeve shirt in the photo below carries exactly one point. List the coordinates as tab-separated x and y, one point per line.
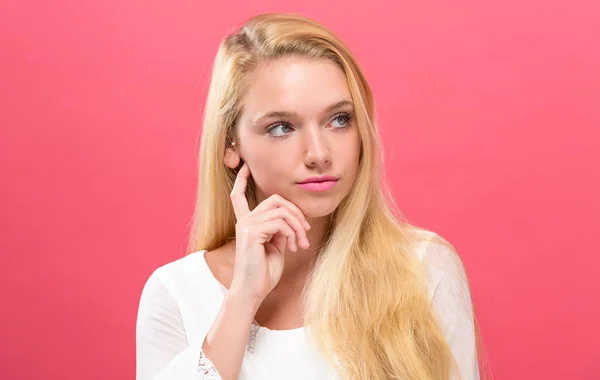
181	300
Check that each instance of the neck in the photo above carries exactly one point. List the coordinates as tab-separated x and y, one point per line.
297	264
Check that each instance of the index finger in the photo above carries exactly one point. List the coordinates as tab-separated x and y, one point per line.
238	193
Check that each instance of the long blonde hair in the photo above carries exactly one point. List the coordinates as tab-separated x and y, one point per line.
365	301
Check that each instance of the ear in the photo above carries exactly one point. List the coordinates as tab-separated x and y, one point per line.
232	158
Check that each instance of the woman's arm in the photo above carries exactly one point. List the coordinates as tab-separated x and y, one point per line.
162	349
226	341
451	301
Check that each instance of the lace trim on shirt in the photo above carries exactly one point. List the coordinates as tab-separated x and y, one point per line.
206	368
253	330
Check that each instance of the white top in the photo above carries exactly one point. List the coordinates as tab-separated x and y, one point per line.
181	300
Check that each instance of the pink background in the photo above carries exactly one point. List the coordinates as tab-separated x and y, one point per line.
490	113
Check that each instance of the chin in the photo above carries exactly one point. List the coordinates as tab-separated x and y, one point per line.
317	208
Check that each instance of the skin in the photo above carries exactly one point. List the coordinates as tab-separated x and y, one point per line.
314	140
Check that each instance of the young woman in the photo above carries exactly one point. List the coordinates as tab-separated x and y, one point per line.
300	265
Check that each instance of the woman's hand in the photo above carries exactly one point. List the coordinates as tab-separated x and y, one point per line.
263	236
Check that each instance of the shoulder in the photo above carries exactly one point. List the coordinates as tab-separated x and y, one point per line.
181	276
179	297
441	263
450	299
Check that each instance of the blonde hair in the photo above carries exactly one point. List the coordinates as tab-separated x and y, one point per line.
365	302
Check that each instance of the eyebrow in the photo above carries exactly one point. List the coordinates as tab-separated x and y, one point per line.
284	114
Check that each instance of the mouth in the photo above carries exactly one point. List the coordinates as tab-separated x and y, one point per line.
319	184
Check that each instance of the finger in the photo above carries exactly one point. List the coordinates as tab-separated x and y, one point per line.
277	200
291	219
281	242
238	193
280	239
278	226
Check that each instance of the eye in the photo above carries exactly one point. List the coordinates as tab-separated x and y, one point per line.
342	119
280	129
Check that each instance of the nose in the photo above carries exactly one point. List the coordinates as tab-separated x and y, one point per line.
317	152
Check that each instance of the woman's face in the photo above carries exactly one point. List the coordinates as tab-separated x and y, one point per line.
297	121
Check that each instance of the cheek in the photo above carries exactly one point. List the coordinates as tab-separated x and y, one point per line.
269	173
350	150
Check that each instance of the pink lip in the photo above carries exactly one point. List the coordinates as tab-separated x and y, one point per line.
320	179
318	186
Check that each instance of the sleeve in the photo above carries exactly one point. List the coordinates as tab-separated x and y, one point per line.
451	302
162	350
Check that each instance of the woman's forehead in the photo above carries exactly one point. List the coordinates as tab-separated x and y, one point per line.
295	85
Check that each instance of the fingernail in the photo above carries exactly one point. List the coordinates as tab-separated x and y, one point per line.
307	225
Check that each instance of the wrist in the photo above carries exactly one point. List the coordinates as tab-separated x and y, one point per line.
243	303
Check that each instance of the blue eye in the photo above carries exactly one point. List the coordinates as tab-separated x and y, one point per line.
280	129
343	119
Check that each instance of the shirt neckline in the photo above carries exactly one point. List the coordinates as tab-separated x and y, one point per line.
222	288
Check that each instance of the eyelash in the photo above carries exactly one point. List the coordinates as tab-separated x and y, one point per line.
287	123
